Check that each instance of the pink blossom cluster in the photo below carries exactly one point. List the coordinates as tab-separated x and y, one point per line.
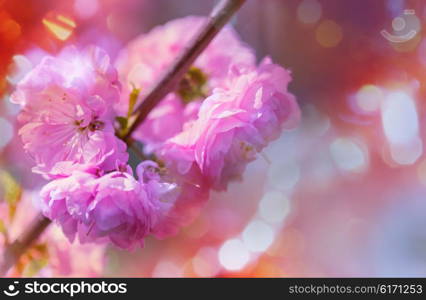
225	110
68	128
113	206
235	123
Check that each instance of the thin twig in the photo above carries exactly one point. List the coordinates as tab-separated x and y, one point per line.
220	15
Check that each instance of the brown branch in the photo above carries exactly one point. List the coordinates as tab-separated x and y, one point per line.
14	251
220	15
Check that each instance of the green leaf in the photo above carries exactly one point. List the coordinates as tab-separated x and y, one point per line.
3	231
34	266
133	98
12	191
193	85
38	258
122	121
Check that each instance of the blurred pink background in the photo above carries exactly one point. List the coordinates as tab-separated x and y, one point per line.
342	195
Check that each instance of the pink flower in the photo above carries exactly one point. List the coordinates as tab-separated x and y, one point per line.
66	112
235	123
115	206
149	55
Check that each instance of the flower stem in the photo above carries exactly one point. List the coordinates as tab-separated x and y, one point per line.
219	16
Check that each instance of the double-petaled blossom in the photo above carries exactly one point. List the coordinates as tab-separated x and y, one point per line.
67	116
144	60
235	123
115	206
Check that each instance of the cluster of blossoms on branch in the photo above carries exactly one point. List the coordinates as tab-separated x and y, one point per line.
76	108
